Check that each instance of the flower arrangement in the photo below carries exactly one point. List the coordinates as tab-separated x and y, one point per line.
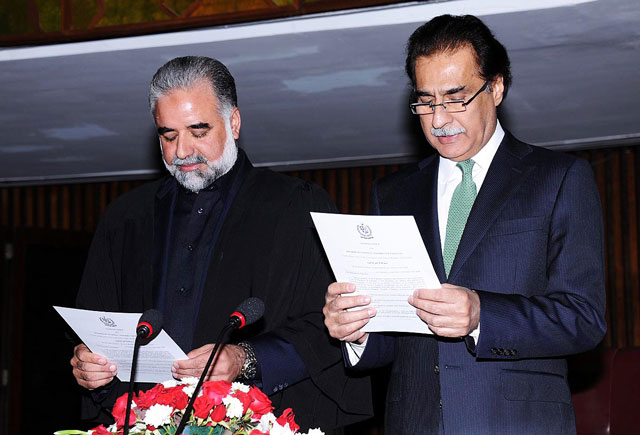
220	408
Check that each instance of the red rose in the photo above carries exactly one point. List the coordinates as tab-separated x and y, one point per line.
180	399
244	398
173	397
260	403
216	390
100	430
145	399
287	417
120	408
257	432
219	413
202	406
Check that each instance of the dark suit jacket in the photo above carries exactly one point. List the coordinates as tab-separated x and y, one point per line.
267	248
533	251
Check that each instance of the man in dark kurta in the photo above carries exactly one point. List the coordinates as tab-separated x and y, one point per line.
197	243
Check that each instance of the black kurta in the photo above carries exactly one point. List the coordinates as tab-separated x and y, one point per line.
267	248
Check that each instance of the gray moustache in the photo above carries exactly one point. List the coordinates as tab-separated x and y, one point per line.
189	160
443	131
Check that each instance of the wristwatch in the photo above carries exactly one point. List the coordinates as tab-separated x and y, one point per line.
249	368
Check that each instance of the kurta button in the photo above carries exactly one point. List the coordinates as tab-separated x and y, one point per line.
493	351
182	289
200	210
190	247
440	403
436	369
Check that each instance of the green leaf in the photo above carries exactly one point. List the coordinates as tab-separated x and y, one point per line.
71	432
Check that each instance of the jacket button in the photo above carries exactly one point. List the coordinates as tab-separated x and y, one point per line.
440	403
436	369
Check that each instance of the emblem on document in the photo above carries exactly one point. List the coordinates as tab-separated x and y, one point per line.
364	231
108	322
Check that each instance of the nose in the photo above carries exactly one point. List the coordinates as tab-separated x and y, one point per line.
440	117
184	147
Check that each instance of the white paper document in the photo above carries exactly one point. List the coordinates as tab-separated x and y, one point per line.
385	258
112	335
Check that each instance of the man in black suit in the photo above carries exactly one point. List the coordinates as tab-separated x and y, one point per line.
195	244
515	235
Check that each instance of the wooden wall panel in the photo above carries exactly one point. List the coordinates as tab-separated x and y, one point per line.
617	172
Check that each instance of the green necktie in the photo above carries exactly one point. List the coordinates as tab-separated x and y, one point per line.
461	203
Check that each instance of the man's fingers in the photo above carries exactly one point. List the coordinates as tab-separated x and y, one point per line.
92	380
339	288
203	350
346	302
82	353
352	332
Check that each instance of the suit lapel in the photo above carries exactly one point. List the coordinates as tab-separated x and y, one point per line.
506	173
426	213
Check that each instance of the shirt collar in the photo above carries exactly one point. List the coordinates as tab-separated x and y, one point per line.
482	158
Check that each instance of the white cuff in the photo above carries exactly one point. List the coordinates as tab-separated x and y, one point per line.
475	334
354	350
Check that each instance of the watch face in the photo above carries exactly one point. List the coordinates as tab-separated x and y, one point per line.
248	371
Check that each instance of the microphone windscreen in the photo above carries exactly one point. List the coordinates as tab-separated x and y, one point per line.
252	309
153	319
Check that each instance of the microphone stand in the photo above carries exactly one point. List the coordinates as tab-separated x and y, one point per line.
136	348
222	338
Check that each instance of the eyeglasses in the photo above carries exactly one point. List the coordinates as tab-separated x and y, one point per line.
449	106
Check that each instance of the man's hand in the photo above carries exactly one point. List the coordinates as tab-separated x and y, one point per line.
227	367
450	311
90	369
342	324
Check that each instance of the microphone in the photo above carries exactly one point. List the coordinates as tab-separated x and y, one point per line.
249	311
149	326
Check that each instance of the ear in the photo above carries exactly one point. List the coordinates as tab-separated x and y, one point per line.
235	121
497	90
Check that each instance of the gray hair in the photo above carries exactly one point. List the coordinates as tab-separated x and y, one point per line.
185	72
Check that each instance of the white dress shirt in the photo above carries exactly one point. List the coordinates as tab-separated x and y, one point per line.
449	176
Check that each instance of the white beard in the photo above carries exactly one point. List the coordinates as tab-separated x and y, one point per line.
198	179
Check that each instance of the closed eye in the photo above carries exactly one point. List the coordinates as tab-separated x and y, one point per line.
199	134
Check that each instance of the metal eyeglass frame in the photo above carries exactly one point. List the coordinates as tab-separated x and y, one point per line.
413	106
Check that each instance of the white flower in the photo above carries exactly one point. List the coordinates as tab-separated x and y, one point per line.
189	389
170	384
240	386
315	431
189	380
138	428
234	407
266	421
158	415
276	429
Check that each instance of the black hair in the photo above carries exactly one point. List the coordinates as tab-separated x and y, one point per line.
452	32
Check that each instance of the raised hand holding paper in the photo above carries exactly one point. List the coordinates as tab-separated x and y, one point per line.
113	334
385	258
